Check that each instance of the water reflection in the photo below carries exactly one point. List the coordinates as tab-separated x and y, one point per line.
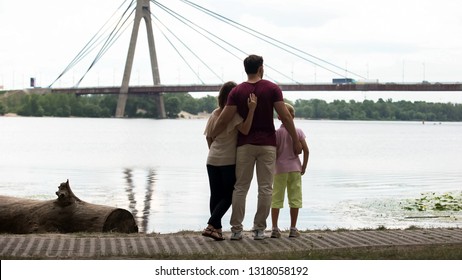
142	221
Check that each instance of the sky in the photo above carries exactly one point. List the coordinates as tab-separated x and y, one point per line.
386	41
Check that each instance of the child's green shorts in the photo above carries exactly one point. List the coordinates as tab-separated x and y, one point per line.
293	182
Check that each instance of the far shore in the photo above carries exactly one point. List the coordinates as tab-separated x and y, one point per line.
10	115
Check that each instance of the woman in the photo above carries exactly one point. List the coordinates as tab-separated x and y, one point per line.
221	160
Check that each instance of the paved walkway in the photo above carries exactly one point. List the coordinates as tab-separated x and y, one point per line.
158	246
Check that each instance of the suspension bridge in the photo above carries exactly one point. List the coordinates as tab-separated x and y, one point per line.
137	10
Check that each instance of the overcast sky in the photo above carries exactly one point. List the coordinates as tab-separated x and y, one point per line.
389	41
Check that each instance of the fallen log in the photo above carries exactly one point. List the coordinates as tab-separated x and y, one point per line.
65	214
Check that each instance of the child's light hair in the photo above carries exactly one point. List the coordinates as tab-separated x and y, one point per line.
291	109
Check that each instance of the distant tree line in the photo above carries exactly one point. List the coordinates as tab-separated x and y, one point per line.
380	110
94	106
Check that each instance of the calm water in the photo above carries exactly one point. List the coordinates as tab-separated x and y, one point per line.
359	173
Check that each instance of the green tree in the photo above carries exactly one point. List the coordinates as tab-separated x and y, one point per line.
2	109
368	108
31	106
383	109
109	104
189	104
207	104
65	105
303	109
320	109
344	113
172	106
305	112
91	110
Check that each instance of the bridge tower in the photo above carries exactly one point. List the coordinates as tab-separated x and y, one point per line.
143	11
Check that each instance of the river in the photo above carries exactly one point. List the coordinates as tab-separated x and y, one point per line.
360	174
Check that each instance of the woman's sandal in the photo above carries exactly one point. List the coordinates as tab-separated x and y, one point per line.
213	233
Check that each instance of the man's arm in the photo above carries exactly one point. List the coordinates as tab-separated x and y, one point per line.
225	117
288	122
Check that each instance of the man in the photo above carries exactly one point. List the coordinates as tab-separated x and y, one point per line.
258	148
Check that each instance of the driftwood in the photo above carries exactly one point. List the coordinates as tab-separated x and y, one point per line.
66	214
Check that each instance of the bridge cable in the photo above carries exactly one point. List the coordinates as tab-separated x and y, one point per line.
183	20
182	57
178	16
262	36
186	21
188	48
91	45
88	47
111	39
244	28
102	52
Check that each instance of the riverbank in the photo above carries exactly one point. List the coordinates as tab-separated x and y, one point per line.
342	244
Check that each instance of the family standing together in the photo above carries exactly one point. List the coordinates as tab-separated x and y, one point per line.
242	137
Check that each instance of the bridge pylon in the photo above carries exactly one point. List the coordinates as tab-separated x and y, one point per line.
143	11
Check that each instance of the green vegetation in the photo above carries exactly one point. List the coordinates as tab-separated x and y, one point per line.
65	105
96	106
436	202
2	109
380	110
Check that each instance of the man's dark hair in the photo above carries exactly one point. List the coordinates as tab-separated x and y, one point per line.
252	63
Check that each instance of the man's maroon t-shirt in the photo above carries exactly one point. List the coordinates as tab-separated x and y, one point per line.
262	131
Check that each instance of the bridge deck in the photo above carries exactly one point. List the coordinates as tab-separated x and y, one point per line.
285	87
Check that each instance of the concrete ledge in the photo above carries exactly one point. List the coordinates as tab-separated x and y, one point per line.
110	246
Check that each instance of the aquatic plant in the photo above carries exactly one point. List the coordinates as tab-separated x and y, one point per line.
436	202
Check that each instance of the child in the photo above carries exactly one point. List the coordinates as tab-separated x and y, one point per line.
288	174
